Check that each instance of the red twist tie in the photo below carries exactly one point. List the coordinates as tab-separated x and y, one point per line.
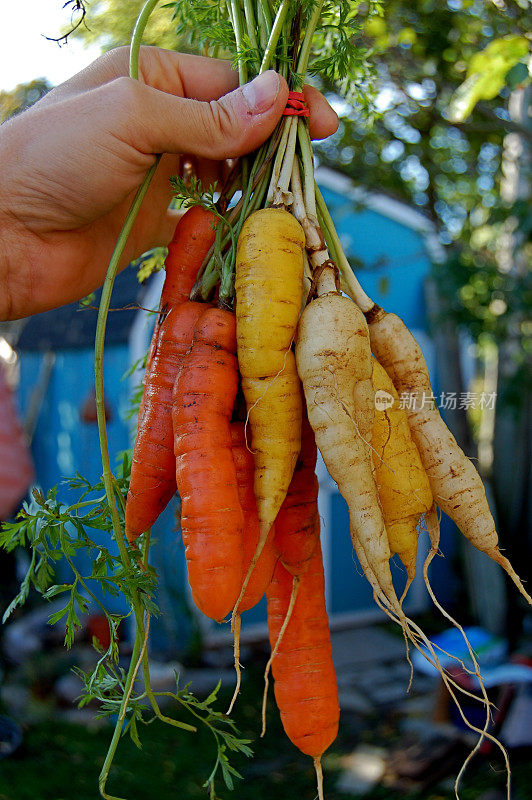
296	105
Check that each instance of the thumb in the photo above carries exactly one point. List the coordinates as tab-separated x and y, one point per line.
233	125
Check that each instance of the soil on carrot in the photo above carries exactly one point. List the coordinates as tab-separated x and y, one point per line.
59	761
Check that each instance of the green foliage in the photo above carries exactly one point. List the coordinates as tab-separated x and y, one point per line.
21	97
452	171
190	192
109	23
56	533
500	64
204	25
341	58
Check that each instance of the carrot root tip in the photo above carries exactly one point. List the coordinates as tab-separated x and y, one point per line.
319	776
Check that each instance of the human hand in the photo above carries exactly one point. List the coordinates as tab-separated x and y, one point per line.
72	163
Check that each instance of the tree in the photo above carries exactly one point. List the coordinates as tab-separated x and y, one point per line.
109	23
21	97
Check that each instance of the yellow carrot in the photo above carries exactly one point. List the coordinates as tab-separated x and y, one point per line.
404	489
455	483
269	275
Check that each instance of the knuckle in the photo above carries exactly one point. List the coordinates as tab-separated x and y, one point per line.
124	93
227	136
117	60
118	53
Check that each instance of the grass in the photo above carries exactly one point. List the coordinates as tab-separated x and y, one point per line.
61	761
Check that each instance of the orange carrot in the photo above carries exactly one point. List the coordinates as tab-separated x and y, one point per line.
297	524
211	514
245	473
152	481
305	681
297	532
262	574
193	236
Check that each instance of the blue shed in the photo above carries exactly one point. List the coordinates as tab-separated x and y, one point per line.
393	246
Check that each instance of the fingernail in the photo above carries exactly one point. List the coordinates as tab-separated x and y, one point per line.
260	94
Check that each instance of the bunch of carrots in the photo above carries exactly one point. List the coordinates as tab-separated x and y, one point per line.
265	349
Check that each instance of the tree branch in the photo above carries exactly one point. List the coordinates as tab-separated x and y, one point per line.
77	6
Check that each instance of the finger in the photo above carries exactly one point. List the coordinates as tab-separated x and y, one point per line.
155	122
179	74
184	75
323	120
200	78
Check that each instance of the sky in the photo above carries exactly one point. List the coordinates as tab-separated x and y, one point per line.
24	52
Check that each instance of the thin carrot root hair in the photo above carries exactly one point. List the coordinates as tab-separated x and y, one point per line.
252	565
293	597
433	528
409	660
459	492
495	554
238	666
319	777
392	609
415	633
483	733
408	584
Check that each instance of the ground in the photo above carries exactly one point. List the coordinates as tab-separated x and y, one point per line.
61	761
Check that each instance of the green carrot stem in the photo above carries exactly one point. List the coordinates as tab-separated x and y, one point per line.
278	163
284	62
104	773
329	240
278	24
86	503
98	355
251	26
304	52
264	18
209	281
138	33
282	182
143	659
260	191
238	27
355	289
105	300
99	393
288	159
